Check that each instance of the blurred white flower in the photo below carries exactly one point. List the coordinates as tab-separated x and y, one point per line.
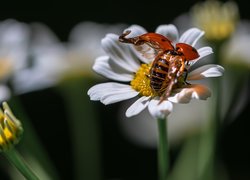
46	61
235	55
216	18
14	41
121	64
52	60
14	37
235	51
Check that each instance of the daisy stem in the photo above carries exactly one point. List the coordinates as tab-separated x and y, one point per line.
15	158
162	149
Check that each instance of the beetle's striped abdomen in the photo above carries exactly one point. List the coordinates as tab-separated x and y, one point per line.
159	74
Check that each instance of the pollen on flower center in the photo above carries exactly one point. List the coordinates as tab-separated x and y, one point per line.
141	81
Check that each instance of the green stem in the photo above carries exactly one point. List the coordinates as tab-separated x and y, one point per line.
162	149
15	158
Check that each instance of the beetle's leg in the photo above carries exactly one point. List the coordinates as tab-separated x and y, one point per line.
183	70
168	91
185	77
135	40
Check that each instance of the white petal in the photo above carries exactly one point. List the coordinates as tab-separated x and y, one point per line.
103	68
170	31
137	106
119	53
111	92
210	70
160	110
194	91
204	51
191	36
120	95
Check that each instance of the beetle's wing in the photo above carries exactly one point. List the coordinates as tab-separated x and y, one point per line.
188	51
145	52
148	45
151	44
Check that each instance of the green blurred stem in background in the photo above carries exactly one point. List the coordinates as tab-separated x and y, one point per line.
84	128
209	141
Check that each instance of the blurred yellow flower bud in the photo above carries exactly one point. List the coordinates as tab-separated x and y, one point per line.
10	128
217	19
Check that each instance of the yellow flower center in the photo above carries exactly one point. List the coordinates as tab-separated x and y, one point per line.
141	81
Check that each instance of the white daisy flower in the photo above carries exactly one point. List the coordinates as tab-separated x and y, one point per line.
124	64
47	57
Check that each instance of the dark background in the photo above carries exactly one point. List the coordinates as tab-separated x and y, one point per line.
61	16
137	162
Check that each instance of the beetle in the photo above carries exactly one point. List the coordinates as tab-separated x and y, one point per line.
169	63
